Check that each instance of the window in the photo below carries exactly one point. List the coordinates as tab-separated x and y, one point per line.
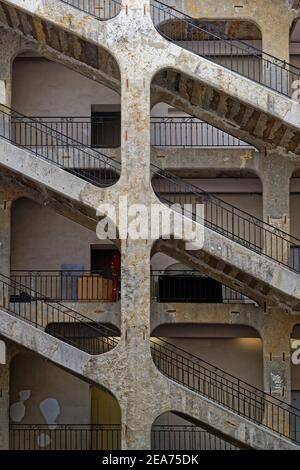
106	129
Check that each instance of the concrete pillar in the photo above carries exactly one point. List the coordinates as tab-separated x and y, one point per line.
5	231
5	244
4	403
277	370
276	174
278	75
135	253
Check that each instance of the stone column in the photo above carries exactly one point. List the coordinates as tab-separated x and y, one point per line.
278	75
135	253
4	401
277	369
276	173
5	242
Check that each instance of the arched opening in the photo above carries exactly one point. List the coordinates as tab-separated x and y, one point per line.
60	259
172	128
171	431
66	125
235	349
230	200
52	410
295	43
59	271
176	281
222	362
294	216
232	43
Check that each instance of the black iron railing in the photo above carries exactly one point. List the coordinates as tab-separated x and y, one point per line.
55	318
189	132
228	220
100	9
225	389
70	286
108	437
204	39
191	287
95	132
64	437
184	437
104	132
59	149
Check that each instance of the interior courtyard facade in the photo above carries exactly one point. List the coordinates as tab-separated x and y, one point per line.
140	344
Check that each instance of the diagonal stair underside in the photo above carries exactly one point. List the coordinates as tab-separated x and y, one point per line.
219	109
60	45
75	211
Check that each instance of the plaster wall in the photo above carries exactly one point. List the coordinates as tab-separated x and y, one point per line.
43	239
43	381
45	88
241	357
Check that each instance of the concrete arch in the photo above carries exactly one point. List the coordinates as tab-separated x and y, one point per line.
44	394
236	349
172	430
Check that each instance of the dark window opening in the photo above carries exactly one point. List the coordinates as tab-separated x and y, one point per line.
189	289
106	129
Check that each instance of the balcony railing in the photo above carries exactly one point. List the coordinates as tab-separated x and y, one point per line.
58	149
100	9
108	437
191	287
69	286
64	437
55	318
189	132
84	286
105	132
183	437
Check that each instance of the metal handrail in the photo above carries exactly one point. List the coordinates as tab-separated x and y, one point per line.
272	72
228	220
102	9
64	436
190	132
51	145
179	131
186	437
227	390
55	318
181	291
71	285
100	436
